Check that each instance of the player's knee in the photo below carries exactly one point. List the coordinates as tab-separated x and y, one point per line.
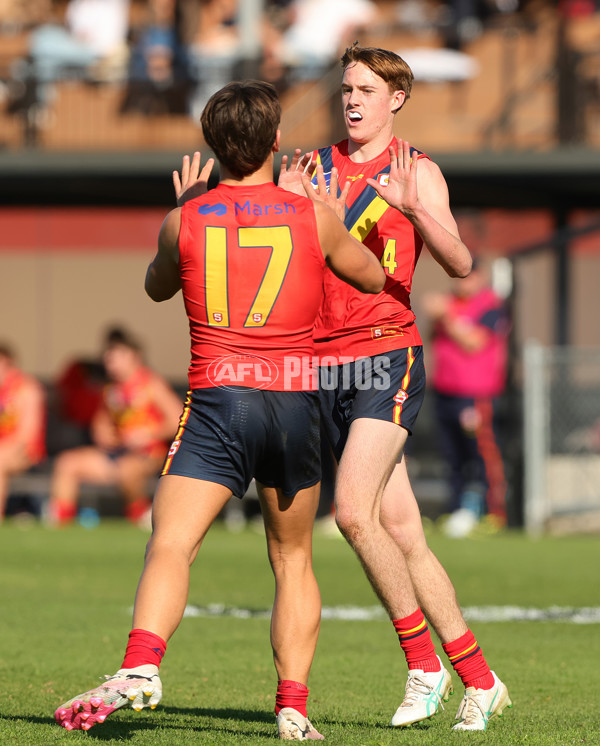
353	524
162	547
132	477
289	556
67	463
406	532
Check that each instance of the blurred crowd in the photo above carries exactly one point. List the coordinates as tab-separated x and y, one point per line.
173	54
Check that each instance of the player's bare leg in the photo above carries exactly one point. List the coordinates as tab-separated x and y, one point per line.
297	606
365	467
437	598
133	472
296	614
3	493
13	460
435	593
184	510
71	468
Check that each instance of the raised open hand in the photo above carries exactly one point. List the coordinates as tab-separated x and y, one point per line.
321	193
400	191
193	181
300	165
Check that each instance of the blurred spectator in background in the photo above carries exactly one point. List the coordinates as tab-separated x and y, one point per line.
89	41
17	20
159	78
77	395
16	15
22	422
212	44
470	349
463	21
318	33
131	431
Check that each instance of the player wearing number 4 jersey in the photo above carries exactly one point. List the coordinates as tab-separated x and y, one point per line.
250	259
395	200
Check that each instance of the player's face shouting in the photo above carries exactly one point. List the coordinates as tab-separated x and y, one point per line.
369	105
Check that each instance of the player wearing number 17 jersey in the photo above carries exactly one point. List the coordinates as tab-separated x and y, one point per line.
252	278
250	259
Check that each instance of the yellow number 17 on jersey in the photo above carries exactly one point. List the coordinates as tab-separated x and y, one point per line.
278	238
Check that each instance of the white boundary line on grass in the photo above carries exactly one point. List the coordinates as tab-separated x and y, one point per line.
566	614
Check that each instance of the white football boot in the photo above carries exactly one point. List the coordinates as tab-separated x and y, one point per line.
479	705
423	696
292	726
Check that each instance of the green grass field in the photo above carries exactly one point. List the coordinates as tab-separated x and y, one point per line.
66	601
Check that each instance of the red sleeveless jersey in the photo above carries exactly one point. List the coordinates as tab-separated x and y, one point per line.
10	390
252	272
131	407
351	323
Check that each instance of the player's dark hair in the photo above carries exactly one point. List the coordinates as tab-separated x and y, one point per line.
119	337
240	123
388	65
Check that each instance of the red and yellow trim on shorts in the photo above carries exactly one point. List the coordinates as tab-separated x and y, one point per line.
401	395
177	439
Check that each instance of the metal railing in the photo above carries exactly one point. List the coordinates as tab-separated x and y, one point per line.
562	439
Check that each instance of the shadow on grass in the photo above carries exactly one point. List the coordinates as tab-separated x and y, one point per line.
222	713
254	716
125	725
225	721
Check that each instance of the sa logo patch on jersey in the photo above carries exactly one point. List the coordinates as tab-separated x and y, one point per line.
383	179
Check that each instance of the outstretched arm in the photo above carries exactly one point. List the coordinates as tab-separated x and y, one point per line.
418	189
348	258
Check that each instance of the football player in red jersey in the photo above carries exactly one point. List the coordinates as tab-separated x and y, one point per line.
22	422
395	200
131	432
249	258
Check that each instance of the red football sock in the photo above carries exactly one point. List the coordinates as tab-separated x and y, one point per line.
143	647
468	661
416	642
291	694
135	509
63	513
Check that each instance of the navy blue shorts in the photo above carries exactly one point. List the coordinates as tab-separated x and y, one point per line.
388	387
230	435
